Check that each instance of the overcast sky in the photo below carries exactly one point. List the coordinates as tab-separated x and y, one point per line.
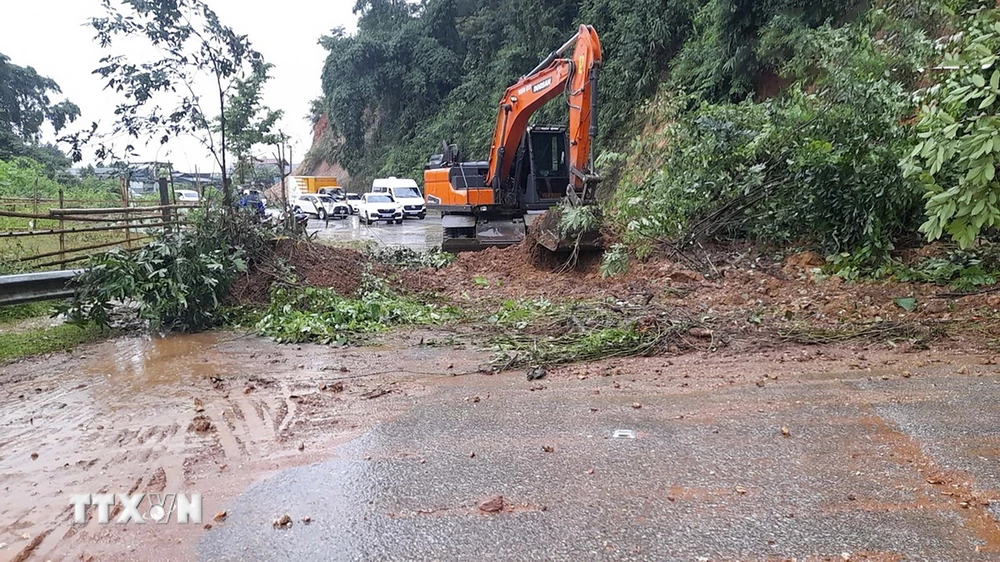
50	35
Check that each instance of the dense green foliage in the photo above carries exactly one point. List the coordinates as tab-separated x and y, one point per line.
180	280
781	120
959	148
419	73
24	177
816	165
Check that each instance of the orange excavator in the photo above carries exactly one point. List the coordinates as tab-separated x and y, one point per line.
531	168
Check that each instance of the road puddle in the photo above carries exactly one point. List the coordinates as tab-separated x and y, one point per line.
139	365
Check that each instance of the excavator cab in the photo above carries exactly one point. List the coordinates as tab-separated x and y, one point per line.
541	171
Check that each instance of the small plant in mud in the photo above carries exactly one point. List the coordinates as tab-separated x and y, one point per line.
616	261
411	259
309	314
518	313
961	270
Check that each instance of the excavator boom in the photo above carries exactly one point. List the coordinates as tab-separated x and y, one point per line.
552	77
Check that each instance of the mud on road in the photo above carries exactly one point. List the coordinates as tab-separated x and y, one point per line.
806	451
210	413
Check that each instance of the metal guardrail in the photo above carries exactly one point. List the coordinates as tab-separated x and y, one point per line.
31	287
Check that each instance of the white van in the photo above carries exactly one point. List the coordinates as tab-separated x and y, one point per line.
405	192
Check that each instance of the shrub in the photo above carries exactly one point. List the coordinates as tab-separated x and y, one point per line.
958	150
817	165
179	281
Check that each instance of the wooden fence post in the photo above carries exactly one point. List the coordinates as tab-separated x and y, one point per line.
165	201
62	226
128	231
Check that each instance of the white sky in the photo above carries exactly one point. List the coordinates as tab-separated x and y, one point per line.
50	36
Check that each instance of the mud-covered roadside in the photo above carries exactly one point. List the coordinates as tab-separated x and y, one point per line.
208	413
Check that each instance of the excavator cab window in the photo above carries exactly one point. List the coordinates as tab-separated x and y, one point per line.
548	163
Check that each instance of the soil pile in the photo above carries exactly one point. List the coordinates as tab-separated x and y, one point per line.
314	265
530	270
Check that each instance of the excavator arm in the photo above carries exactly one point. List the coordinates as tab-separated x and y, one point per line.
555	75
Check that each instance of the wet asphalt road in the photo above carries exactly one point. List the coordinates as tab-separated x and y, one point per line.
709	476
416	234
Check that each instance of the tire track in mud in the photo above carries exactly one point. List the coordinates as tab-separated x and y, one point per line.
123	429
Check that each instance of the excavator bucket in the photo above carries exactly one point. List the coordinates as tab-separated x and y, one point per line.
547	230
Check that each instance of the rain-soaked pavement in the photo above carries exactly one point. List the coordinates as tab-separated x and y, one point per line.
819	454
874	466
418	235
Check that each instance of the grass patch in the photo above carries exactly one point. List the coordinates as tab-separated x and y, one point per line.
15	312
322	316
412	259
17	345
363	246
548	335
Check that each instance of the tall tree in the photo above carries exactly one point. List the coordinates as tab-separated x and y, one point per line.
25	105
250	123
191	47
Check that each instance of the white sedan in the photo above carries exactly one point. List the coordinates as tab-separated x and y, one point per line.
354	200
379	207
321	207
186	196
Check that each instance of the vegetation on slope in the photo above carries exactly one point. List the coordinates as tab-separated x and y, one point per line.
780	121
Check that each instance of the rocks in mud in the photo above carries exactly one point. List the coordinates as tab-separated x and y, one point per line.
701	333
491	505
201	424
536	374
199	406
335	387
283	522
306	520
376	393
34	456
785	432
548	448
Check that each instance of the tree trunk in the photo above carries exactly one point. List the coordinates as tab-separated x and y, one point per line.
227	188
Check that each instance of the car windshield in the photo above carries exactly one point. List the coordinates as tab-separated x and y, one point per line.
326	198
353	196
406	192
379	199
